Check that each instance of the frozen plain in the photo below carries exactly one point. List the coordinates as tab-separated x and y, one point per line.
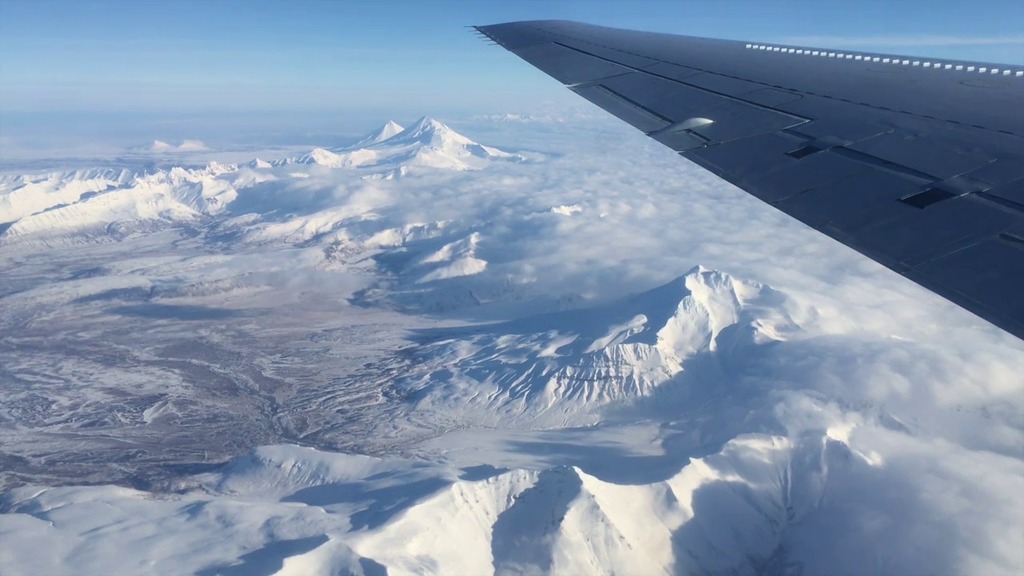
565	351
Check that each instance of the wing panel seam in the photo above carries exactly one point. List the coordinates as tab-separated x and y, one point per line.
695	87
793	90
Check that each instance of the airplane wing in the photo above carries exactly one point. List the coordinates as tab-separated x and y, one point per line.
917	163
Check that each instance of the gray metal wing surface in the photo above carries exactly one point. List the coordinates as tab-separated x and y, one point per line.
918	163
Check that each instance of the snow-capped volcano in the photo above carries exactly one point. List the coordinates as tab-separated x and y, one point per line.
429	140
427	143
429	131
389	129
571	362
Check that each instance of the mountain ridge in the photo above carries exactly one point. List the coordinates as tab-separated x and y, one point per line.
53	207
558	368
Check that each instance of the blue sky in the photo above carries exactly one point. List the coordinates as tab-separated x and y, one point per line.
221	56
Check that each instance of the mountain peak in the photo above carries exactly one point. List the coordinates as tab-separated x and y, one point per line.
427	127
429	133
391	127
388	130
427	123
557	367
427	143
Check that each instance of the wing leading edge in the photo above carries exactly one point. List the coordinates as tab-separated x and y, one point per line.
916	163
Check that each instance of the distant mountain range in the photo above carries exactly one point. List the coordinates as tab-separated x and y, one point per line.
427	143
48	207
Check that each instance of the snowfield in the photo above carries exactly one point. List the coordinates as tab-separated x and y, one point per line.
567	351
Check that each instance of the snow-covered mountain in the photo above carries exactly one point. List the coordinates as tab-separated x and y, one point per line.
516	369
24	195
389	129
66	208
560	368
428	143
761	504
63	208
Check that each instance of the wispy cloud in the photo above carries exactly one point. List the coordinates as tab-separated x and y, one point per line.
896	41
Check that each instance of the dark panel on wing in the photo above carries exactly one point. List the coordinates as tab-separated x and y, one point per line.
917	163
